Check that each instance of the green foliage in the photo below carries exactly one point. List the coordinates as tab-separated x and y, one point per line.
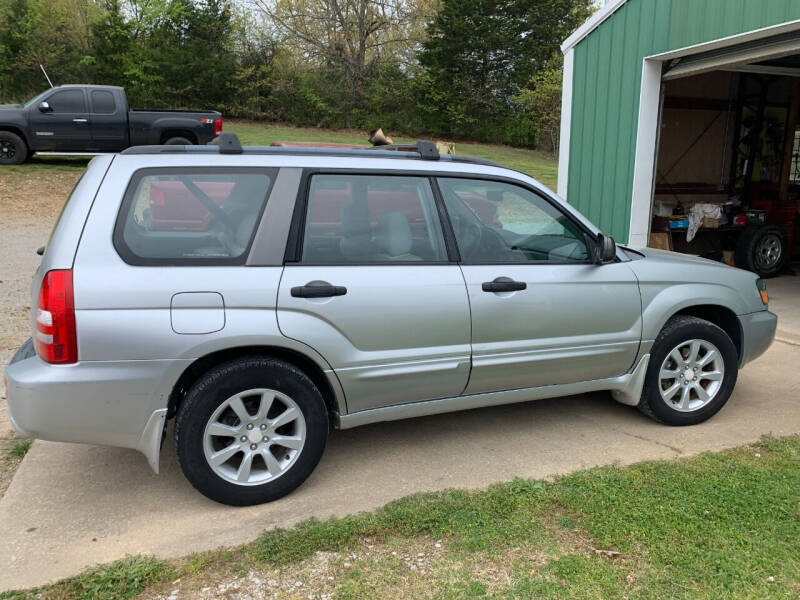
541	101
121	579
19	448
479	55
478	76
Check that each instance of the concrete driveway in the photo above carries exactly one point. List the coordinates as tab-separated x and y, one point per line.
71	506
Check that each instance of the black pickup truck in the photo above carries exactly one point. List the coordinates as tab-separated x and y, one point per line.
92	119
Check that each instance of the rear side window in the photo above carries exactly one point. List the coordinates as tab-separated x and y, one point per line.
103	102
67	101
362	219
191	216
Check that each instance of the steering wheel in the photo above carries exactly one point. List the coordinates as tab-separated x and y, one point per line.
471	237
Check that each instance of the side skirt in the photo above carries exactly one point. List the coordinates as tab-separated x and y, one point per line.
626	389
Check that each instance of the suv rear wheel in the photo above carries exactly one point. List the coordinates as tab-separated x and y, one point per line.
692	370
251	431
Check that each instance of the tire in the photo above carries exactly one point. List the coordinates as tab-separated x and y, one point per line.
207	407
178	141
762	249
13	150
679	331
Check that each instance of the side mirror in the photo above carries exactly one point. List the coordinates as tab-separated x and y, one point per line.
44	107
605	249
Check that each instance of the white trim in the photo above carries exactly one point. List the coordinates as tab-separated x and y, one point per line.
645	156
566	123
738	38
591	24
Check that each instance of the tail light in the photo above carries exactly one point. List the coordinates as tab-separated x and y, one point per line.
217	126
55	338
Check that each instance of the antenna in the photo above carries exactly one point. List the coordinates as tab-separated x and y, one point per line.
41	66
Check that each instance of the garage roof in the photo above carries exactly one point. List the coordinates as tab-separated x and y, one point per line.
591	23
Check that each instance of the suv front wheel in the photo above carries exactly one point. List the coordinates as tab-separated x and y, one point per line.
250	431
692	370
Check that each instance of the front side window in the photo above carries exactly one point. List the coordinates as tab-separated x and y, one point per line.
180	216
496	222
67	101
371	219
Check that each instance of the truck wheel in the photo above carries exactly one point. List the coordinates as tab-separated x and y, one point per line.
693	368
13	150
762	249
178	141
250	431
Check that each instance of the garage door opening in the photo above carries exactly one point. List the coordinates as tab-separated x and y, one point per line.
726	182
727	177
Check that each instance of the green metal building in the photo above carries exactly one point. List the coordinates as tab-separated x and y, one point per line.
615	67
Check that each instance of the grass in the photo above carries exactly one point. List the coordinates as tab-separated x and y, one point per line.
18	448
540	165
723	525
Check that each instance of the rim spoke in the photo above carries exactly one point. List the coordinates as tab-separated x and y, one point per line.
239	408
243	474
710	375
685	395
676	356
702	393
265	403
287	416
222	430
666	373
709	356
272	463
670	392
693	351
287	441
224	455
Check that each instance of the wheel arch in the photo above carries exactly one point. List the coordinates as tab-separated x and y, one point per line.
719	315
177	132
16	131
330	390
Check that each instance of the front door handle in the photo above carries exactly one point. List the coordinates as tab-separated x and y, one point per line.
503	284
80	120
318	289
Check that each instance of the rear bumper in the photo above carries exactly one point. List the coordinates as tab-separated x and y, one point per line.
758	331
114	403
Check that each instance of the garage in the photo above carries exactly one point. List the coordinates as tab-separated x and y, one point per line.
681	128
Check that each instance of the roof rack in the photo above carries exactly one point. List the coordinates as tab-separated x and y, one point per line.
228	143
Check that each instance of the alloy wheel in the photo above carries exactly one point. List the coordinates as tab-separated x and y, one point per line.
691	375
254	437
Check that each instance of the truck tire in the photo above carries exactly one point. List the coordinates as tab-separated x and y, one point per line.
178	141
762	249
250	431
13	150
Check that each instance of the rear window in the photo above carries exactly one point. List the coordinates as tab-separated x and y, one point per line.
103	102
191	216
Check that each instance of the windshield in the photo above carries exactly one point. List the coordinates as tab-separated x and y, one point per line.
36	99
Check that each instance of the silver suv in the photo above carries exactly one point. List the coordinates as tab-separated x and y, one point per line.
261	296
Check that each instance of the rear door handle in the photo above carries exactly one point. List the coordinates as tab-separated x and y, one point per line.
80	120
318	290
502	284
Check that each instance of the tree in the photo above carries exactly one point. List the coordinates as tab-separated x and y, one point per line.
541	100
347	39
480	53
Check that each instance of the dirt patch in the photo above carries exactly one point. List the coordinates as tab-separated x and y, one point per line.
29	206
